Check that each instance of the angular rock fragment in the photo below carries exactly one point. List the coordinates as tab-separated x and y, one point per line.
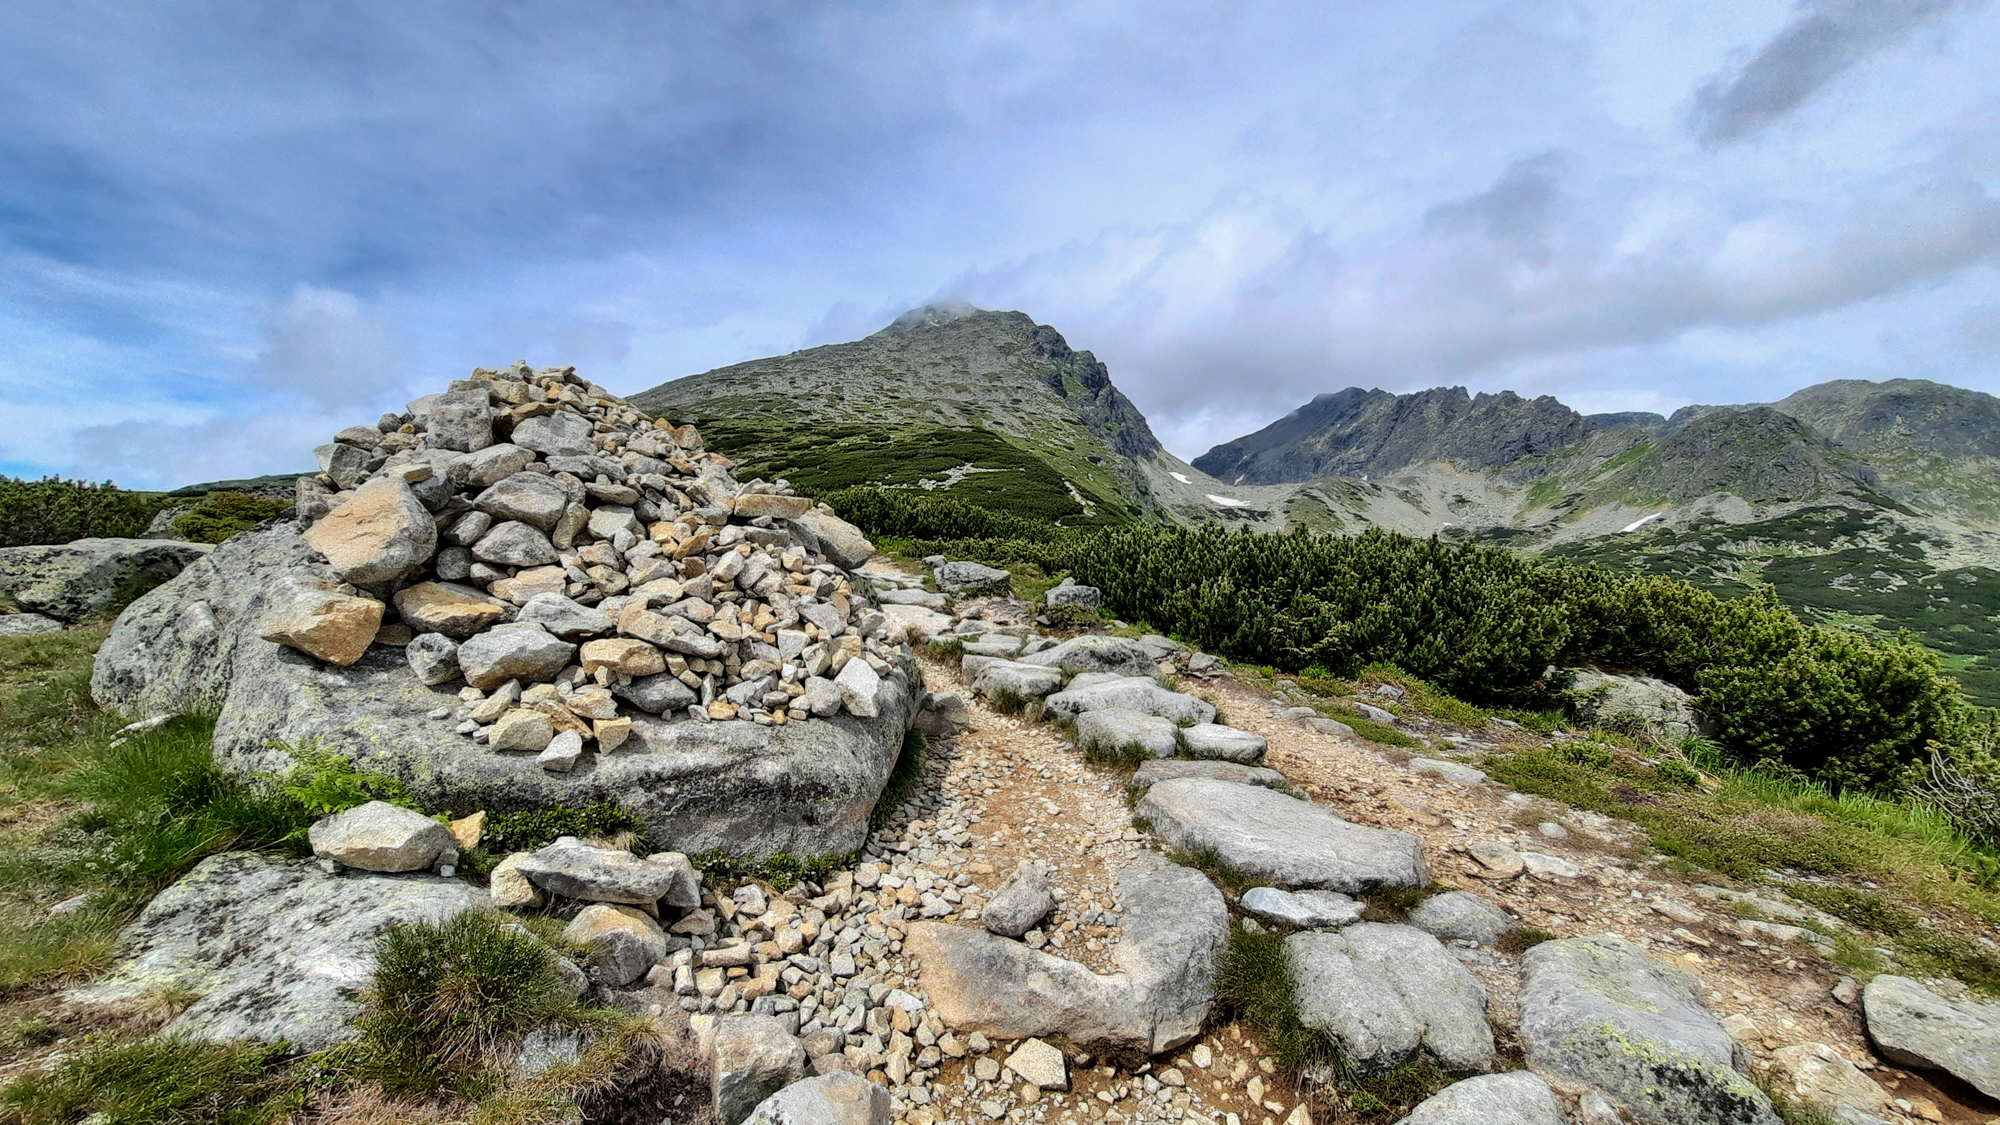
838	1098
1916	1027
1227	744
750	1058
1020	903
573	869
379	836
1132	694
1462	916
307	614
623	942
378	536
521	651
449	608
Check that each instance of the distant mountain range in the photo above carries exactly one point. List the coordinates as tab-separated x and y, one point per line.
1871	505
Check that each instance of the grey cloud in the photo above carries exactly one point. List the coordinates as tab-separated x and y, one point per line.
1823	41
324	345
1517	208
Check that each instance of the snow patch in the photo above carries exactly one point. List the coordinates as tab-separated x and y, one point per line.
1641	522
1181	477
1226	501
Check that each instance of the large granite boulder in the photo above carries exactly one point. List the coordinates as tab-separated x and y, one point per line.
1598	1011
806	788
1133	694
1176	925
1268	835
275	949
89	578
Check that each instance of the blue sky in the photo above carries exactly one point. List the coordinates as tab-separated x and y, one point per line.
227	228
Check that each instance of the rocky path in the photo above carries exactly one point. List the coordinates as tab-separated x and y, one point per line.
1020	790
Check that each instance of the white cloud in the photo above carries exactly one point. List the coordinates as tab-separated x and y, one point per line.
325	346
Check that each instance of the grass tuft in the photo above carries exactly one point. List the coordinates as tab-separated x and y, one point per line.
451	997
161	1080
1255	983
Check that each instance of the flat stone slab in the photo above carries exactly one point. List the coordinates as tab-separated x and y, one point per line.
1287	841
276	949
1462	916
1384	991
1227	744
1309	910
1453	772
1597	1010
1132	694
1916	1027
1176	925
1027	681
1517	1097
1152	773
1122	655
1114	730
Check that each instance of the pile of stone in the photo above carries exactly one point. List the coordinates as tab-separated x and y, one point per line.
572	561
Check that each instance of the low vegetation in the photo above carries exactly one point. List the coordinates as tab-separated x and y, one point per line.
55	510
1484	624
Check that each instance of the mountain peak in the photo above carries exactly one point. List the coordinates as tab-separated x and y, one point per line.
926	316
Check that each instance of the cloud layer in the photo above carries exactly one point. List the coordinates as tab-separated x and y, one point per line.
224	234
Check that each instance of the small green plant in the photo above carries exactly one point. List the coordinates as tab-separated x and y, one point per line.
1523	938
1007	701
219	515
903	778
948	650
1369	728
163	1080
1676	771
1393	904
449	998
325	781
530	829
1210	862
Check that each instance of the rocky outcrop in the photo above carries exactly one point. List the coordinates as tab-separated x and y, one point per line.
1090	653
275	950
1915	1027
1290	842
735	688
1598	1011
90	578
1176	926
1131	694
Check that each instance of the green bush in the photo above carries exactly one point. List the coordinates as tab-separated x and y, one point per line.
535	828
1482	624
54	510
220	515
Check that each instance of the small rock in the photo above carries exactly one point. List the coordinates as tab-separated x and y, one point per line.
1450	771
522	729
562	752
510	889
1462	916
377	536
961	576
1019	904
573	869
1303	909
1040	1064
1496	861
379	836
1514	1098
433	657
624	943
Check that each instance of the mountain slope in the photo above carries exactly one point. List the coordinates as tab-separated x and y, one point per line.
989	405
1870	505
